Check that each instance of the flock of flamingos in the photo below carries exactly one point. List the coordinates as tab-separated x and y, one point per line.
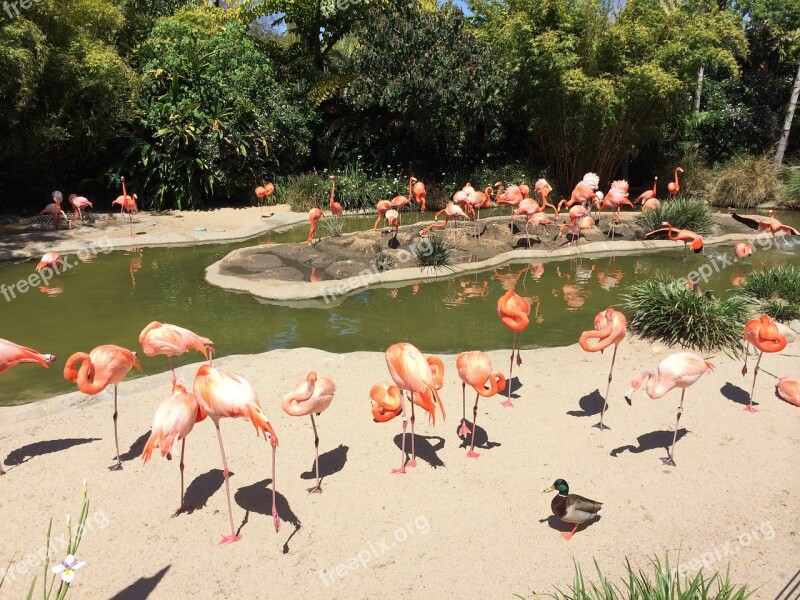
416	378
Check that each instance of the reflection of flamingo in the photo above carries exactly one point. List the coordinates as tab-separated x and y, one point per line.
136	264
574	295
770	224
126	203
679	370
412	372
788	390
263	192
314	215
173	421
673	187
764	335
451	211
743	250
689	238
103	366
51	260
12	354
171	340
475	369
513	311
609	328
382	207
224	394
78	204
312	395
336	208
509	280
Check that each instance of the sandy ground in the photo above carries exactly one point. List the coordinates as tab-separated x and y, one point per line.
450	528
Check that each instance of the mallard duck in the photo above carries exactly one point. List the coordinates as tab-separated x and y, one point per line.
572	508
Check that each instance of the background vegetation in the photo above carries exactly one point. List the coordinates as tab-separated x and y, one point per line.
197	104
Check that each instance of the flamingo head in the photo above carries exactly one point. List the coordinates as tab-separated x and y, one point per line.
679	169
498	184
311	378
634	385
72	197
333	177
697	245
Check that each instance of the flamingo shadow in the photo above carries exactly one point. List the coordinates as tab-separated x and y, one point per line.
202	488
524	243
651	441
591	405
142	587
514	384
481	437
425	450
136	448
736	394
330	462
29	451
555	523
393	243
258	499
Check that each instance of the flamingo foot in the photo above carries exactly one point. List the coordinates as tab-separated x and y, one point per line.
472	454
668	461
463	431
186	508
601	426
229	539
508	404
567	535
750	409
116	467
275	520
411	463
744	371
314	490
400	471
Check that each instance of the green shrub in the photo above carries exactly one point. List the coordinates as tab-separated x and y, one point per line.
434	252
306	191
776	290
664	309
682	213
746	183
790	195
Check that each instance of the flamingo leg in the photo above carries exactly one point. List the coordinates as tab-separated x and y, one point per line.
2	471
508	403
750	407
118	466
172	368
275	519
472	453
600	425
463	430
402	468
746	353
567	535
182	506
316	489
413	461
669	460
227	539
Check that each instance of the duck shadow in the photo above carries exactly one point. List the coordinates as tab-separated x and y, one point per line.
135	451
29	451
330	462
736	394
591	405
258	499
481	437
514	384
142	587
555	523
202	488
425	449
651	441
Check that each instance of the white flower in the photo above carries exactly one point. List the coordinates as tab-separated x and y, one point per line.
67	568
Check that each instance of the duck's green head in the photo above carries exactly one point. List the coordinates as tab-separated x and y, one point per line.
560	485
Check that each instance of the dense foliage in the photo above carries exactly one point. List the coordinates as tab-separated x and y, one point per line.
683	213
777	291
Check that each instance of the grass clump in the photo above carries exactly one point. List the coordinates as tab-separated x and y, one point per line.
334	224
305	192
776	290
384	262
746	182
664	309
433	252
682	213
790	195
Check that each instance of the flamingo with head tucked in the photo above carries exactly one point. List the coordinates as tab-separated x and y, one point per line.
765	336
673	187
312	396
263	192
475	370
171	340
12	354
51	260
314	215
788	390
513	311
609	328
105	365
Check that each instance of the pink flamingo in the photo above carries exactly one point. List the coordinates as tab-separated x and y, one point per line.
765	336
54	209
12	354
419	194
648	198
584	193
451	211
543	189
314	215
221	394
173	421
461	200
743	250
51	260
513	311
398	202
609	328
673	187
382	207
475	370
105	365
393	219
171	340
615	199
679	370
126	203
263	192
412	372
771	224
311	396
689	238
78	204
336	208
511	197
788	390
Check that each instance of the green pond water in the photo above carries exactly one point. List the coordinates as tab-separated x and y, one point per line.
111	298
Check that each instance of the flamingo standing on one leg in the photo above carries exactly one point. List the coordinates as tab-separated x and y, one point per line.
788	390
78	204
511	197
412	372
314	215
765	336
679	370
420	194
171	340
513	311
673	187
336	208
263	192
221	394
105	365
12	354
173	420
609	328
475	369
312	395
382	207
126	203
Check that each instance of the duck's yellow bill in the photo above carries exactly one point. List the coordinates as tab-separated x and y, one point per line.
550	489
